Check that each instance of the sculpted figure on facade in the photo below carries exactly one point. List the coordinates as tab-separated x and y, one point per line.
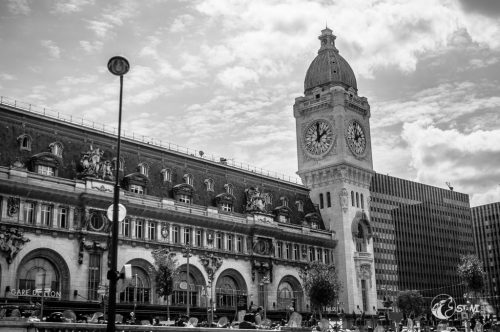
11	242
344	203
211	263
93	165
256	201
12	206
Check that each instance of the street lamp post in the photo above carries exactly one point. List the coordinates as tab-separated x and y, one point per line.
187	254
118	66
265	282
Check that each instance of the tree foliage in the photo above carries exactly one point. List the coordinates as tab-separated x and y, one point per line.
470	270
321	284
410	302
165	272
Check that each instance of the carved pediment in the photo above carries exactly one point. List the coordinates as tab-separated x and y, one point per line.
93	165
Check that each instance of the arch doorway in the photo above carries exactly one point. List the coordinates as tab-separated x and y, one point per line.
290	294
43	270
196	284
139	288
230	290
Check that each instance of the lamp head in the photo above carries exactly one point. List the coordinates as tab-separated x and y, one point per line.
118	66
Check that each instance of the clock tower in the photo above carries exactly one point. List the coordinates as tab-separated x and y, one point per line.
335	163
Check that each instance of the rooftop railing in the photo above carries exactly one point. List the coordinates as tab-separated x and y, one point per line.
194	153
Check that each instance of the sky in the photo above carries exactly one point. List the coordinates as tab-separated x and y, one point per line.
221	76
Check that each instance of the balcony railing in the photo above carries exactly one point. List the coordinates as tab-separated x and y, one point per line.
193	153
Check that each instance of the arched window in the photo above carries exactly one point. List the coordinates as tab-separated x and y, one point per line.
24	142
167	174
357	200
121	164
362	201
321	204
138	289
56	148
143	169
179	297
38	274
285	295
300	206
361	239
226	292
188	179
352	198
229	188
210	183
328	200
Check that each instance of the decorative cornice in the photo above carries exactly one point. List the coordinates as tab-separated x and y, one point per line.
344	173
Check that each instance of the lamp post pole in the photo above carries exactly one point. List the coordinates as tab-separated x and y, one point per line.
187	254
118	66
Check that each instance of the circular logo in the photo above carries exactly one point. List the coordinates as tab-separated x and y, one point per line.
443	306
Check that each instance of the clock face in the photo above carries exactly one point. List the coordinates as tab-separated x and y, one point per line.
318	137
356	138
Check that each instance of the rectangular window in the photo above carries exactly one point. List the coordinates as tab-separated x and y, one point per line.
175	234
139	228
229	242
184	199
62	217
125	227
187	235
311	254
218	240
227	207
328	200
45	170
136	189
198	238
239	244
321	203
319	254
46	215
287	251
94	276
296	252
29	213
327	256
152	230
279	250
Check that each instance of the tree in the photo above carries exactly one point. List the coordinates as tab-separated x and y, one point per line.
470	270
321	284
410	302
165	272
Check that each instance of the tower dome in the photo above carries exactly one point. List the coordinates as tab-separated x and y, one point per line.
329	68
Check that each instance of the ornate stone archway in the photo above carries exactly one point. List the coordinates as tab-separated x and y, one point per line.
289	293
57	263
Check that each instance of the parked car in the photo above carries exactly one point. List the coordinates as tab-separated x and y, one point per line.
55	317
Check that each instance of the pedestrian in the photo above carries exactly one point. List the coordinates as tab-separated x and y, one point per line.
258	317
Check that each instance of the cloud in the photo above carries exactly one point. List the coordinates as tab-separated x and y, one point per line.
19	7
53	49
468	160
100	28
236	77
71	6
91	47
181	23
7	77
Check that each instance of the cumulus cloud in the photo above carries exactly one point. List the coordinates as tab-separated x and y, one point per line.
468	161
236	77
181	23
53	49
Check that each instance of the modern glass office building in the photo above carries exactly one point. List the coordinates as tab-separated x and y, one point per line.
486	222
420	233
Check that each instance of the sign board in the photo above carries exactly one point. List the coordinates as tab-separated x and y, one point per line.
183	285
122	212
